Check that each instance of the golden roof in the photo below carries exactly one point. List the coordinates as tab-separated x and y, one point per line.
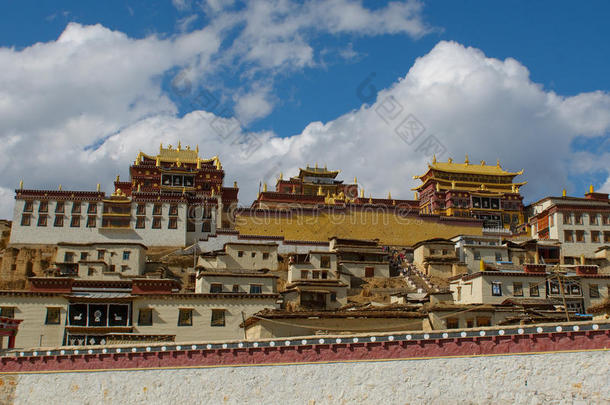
318	171
179	155
467	168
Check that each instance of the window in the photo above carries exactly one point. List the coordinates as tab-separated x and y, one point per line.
100	254
453	323
218	317
580	236
498	257
7	312
325	262
432	251
172	223
477	255
470	323
324	275
26	219
235	288
112	268
76	207
369	272
43	206
483	321
28	206
265	256
594	291
190	226
253	254
518	289
91	220
157	209
606	219
173	209
59	221
592	219
75	222
240	253
568	236
124	268
53	316
141	209
84	255
140	222
304	274
156	223
256	289
567	218
91	271
496	289
185	317
215	288
92	208
606	236
42	220
68	257
145	317
534	292
126	254
333	296
315	274
444	251
595	236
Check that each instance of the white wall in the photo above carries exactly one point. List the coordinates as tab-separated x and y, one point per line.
580	377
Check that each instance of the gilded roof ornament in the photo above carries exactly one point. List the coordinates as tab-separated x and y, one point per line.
370	199
264	187
434	158
591	189
450	160
99	187
498	164
179	146
362	193
389	195
21	184
59	188
466	161
482	163
320	190
563	193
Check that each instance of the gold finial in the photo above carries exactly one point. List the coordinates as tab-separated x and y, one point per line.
234	184
320	192
59	188
393	202
389	195
139	187
415	197
483	187
99	187
498	163
178	163
453	184
160	147
281	176
21	184
158	162
438	187
563	193
118	178
482	163
466	160
179	146
355	180
213	192
370	199
450	160
434	158
361	193
264	187
197	149
198	163
591	189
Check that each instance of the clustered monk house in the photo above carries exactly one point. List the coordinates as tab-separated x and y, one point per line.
473	190
163	259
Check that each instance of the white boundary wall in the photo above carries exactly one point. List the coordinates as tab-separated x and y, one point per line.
577	377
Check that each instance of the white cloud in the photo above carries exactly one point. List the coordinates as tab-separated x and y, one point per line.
94	86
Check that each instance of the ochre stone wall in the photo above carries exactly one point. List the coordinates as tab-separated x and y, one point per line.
386	225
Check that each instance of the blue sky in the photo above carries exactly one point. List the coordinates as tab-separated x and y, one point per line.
562	45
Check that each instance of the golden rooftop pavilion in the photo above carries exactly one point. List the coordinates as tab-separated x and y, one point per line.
486	192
